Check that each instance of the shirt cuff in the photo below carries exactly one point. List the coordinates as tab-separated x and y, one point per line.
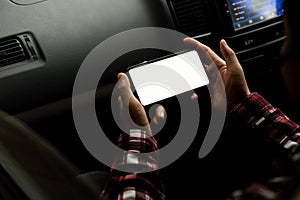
137	140
140	152
257	113
253	110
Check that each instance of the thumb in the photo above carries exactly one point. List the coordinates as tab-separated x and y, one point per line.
129	102
228	54
124	87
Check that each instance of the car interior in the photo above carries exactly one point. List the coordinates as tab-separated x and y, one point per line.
43	44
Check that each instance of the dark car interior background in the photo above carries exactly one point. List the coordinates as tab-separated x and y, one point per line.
44	42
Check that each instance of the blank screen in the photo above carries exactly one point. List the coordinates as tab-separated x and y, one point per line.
156	81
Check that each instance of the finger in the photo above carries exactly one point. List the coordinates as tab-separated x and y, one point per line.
217	60
212	72
136	110
160	114
260	191
124	87
120	104
228	54
194	97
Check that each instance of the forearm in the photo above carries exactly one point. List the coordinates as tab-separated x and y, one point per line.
278	130
143	183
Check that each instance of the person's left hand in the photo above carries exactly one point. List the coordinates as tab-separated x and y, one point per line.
128	103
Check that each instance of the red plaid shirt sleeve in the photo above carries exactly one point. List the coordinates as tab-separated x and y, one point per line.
138	185
279	130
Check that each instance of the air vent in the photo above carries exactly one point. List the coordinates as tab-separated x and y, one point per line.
11	51
190	17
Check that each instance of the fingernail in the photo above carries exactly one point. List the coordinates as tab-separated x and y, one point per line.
122	78
122	82
194	96
162	114
224	42
155	120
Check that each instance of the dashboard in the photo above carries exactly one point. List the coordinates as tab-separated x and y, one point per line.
49	28
51	39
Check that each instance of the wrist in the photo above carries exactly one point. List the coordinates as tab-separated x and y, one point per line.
238	101
135	137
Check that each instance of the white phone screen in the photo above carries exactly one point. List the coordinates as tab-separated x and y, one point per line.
168	77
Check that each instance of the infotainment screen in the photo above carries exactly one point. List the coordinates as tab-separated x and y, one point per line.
245	13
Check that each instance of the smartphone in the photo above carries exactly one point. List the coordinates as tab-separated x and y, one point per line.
168	76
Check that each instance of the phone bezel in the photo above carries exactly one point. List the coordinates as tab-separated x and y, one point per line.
156	60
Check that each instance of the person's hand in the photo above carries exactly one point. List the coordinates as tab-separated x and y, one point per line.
132	112
230	70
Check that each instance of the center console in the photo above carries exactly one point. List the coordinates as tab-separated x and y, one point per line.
253	29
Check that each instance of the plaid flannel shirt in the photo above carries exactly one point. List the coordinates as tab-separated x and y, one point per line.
254	111
258	114
281	133
139	185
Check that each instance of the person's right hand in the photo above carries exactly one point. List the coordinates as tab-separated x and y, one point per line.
230	70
